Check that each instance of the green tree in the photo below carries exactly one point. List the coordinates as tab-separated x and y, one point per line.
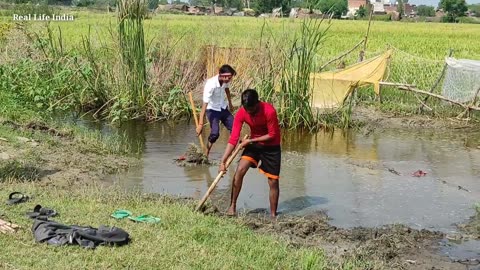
400	9
425	11
153	4
82	3
238	4
266	6
454	9
300	3
335	7
203	3
361	12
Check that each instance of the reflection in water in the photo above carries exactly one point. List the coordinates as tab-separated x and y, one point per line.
349	175
302	202
468	251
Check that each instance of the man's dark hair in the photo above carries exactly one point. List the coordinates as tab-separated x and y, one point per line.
227	69
249	98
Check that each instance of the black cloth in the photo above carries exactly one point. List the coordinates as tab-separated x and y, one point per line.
42	213
58	234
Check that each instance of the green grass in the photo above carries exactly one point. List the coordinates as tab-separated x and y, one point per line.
429	40
21	113
174	47
183	240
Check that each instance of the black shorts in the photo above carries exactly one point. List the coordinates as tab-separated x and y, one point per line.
270	157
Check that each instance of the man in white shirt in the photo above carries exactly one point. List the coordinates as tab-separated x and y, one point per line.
215	96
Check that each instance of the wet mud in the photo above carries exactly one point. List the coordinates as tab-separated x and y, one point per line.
386	247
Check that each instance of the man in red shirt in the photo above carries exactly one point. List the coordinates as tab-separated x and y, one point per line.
263	145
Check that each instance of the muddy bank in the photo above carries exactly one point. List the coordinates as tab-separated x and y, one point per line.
387	247
371	118
471	229
36	152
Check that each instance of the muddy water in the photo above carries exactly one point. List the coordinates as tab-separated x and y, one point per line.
359	179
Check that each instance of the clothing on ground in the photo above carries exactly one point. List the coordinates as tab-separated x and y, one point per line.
59	234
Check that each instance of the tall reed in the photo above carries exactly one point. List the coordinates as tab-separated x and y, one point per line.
131	14
295	96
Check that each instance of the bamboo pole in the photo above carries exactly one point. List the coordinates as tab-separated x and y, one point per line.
471	104
219	176
196	121
362	52
436	82
407	87
342	55
366	35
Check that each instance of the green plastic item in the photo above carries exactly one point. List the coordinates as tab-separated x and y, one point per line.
119	214
145	219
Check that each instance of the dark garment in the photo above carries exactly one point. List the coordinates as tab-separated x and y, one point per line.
42	213
271	157
58	234
215	117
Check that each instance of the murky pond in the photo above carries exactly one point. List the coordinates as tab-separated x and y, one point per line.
359	179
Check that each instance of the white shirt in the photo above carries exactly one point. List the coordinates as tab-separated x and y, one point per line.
214	94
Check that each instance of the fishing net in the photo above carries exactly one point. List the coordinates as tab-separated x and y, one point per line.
462	79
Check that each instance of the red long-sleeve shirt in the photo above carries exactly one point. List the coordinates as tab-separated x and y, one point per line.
264	122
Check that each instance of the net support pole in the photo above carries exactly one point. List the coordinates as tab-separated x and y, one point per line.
422	105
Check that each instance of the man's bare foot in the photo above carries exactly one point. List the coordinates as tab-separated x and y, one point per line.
231	211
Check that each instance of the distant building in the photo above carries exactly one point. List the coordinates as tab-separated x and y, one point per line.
354	5
439	13
408	9
378	6
470	13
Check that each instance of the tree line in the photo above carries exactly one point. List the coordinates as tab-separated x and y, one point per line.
453	8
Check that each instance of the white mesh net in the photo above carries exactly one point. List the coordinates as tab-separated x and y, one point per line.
462	79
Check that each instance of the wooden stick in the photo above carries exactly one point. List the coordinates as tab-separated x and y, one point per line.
397	84
406	87
219	176
471	104
342	55
7	227
366	35
363	51
196	121
437	81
